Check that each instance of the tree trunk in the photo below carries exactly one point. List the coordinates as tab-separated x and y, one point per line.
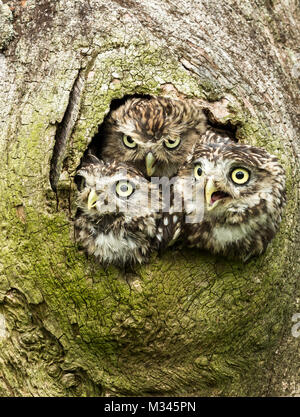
188	323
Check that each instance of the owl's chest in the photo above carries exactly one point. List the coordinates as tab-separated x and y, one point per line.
116	242
218	237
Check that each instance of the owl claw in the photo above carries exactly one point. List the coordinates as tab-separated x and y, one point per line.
92	199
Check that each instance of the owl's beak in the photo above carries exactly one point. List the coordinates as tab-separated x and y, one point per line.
150	161
92	199
213	195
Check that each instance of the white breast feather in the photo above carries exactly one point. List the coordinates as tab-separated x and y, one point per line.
225	235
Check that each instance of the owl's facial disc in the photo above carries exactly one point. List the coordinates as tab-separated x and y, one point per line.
213	195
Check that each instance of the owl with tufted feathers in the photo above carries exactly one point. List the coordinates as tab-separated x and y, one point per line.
116	220
154	135
243	189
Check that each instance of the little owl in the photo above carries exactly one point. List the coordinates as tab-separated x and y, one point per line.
153	135
243	189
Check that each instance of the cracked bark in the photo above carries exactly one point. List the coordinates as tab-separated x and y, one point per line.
188	323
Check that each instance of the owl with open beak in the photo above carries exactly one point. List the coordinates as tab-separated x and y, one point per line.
243	196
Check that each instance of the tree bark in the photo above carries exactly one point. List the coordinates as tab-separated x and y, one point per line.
188	323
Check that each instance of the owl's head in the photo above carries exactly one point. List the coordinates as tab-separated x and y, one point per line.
154	135
115	221
112	189
244	194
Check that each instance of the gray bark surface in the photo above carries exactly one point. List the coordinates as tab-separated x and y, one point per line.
188	323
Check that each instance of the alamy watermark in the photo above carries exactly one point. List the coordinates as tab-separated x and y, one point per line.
160	194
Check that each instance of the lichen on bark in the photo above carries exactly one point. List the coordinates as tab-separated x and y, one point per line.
6	29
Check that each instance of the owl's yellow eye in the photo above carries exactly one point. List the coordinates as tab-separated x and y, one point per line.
124	188
129	142
197	171
240	176
172	143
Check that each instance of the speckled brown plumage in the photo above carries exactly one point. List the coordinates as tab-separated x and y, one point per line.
239	219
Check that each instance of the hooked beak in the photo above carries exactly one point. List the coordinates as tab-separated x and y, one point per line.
213	195
150	161
92	199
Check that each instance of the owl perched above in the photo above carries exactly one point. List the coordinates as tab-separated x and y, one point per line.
244	196
114	221
153	135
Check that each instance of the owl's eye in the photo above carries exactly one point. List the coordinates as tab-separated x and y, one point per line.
197	171
129	142
172	143
240	176
124	188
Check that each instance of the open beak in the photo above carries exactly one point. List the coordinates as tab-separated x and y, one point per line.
150	161
92	199
213	195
